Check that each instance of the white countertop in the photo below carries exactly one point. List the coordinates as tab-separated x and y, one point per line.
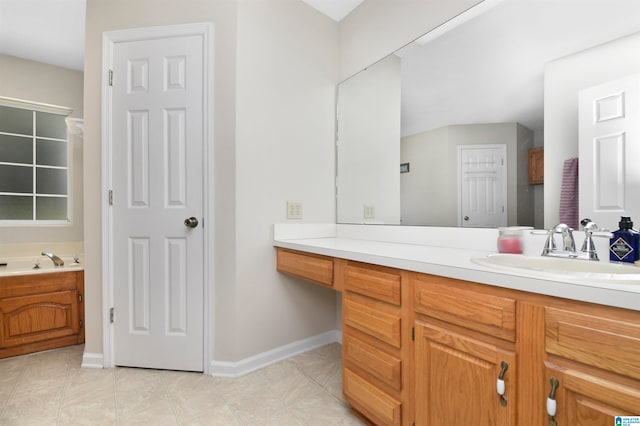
454	263
25	266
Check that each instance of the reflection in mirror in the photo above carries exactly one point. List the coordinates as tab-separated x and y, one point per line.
462	107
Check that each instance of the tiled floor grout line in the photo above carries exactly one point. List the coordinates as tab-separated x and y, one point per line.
64	389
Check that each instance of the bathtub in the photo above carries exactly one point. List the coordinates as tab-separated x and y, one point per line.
24	265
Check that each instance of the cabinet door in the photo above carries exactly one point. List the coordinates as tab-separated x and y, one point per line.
583	399
38	317
456	380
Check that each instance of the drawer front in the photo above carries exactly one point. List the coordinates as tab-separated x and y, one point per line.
377	284
24	285
486	313
384	327
316	268
605	343
372	361
371	401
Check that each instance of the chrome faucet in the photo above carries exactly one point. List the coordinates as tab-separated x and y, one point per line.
56	260
588	249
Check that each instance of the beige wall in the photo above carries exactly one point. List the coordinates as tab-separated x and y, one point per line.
38	82
286	75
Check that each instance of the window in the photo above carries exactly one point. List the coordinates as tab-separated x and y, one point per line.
34	163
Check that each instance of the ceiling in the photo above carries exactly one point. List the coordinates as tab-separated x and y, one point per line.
49	31
335	9
52	31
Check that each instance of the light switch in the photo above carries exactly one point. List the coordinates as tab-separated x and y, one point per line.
294	210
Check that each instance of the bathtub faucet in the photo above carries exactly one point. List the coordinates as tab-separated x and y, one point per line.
56	260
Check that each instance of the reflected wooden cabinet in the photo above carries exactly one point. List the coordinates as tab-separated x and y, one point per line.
41	311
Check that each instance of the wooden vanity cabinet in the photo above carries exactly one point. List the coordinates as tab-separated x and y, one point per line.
428	350
594	354
41	311
376	343
464	342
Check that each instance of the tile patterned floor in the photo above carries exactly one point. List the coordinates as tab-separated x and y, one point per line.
50	388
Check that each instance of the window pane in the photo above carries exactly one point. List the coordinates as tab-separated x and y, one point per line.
51	125
16	179
51	208
51	181
16	120
16	149
15	207
51	153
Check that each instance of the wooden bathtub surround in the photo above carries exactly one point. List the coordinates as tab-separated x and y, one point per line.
41	311
428	350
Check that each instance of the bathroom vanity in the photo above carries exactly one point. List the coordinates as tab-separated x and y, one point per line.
421	345
41	311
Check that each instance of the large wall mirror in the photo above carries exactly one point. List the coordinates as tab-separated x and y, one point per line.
440	132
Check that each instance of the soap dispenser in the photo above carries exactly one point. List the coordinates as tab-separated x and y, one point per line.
624	244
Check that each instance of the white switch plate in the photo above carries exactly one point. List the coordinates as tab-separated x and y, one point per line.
294	210
369	211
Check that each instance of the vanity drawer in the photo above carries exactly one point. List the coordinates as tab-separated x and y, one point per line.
381	325
372	361
312	267
606	343
371	401
441	298
378	283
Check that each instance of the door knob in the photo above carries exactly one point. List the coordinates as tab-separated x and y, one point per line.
466	218
191	222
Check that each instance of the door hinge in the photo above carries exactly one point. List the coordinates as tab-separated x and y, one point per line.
81	323
111	315
110	197
79	298
110	77
413	334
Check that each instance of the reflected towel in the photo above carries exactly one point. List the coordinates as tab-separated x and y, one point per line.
569	193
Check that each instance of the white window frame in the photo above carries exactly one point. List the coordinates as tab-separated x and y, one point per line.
52	109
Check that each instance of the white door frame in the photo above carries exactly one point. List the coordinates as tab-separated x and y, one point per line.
505	197
109	40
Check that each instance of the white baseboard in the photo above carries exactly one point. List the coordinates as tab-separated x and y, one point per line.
253	363
247	365
90	360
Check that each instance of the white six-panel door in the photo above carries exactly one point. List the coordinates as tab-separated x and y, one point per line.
157	177
609	150
482	185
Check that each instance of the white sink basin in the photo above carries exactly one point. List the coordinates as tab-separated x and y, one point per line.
574	268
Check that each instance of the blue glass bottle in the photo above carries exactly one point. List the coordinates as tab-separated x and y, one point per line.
624	245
